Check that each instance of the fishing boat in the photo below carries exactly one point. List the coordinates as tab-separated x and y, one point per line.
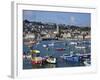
60	49
85	56
51	60
44	45
27	57
80	47
73	43
87	62
48	45
35	51
70	58
73	58
52	44
36	60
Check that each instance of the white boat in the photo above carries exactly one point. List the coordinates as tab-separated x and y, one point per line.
87	63
27	56
73	43
52	44
44	46
51	60
80	47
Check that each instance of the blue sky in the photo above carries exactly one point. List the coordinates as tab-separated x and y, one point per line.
68	18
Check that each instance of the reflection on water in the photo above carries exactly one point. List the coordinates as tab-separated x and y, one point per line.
60	63
50	66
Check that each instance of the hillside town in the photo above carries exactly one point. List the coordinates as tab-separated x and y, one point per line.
40	31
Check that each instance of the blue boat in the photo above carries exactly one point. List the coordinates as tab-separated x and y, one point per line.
71	58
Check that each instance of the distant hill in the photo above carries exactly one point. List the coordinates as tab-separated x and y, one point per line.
62	26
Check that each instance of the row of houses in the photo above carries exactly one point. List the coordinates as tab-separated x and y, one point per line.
41	31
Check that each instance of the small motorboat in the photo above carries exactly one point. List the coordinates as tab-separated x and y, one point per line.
87	62
44	45
73	59
60	49
73	43
51	60
70	58
35	51
27	57
85	56
52	44
80	47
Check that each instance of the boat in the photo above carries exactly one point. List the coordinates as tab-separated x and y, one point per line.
73	43
70	58
51	60
85	56
44	45
80	47
27	57
87	42
73	58
36	60
87	62
60	49
35	51
52	44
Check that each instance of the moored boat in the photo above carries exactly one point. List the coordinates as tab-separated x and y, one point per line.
36	60
51	60
80	47
87	62
73	43
35	51
60	49
70	58
73	59
45	46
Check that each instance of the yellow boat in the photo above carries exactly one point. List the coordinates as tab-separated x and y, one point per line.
35	51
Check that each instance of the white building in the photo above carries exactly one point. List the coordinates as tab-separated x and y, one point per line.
87	37
29	36
66	35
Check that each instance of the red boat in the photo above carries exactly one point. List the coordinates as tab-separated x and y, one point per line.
36	60
60	49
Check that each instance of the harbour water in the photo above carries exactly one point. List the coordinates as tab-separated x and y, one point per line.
69	47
